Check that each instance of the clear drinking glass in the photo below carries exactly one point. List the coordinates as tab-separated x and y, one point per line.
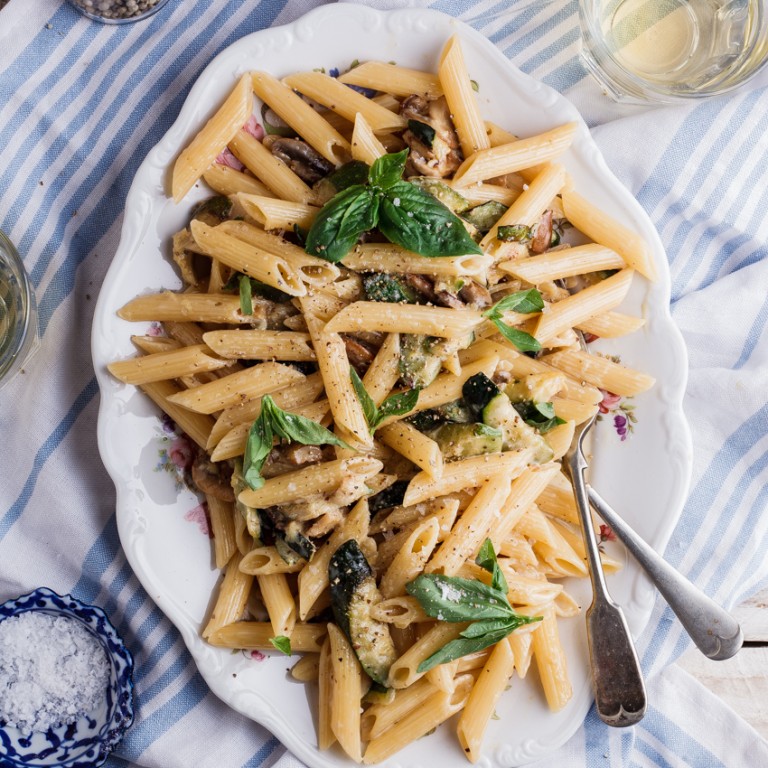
672	50
118	11
18	313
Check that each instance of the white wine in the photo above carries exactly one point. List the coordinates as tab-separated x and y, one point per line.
692	42
18	312
674	47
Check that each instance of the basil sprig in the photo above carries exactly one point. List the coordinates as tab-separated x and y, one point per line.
405	214
282	643
524	302
486	607
274	422
394	405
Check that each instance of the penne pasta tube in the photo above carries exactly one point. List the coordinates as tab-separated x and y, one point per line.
601	372
401	611
409	562
151	344
273	172
272	213
365	145
307	668
467	473
404	672
306	121
605	230
227	181
610	325
316	478
236	388
579	260
256	635
531	204
559	439
482	699
334	367
404	318
593	300
472	528
201	152
461	99
384	371
260	345
223	529
279	602
294	394
550	660
394	79
423	451
346	677
172	364
265	267
325	736
515	156
194	307
266	560
233	595
387	257
346	102
436	709
314	271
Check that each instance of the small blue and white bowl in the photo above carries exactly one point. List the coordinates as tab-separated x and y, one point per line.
87	742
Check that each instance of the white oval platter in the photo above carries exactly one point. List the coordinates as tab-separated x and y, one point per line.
645	477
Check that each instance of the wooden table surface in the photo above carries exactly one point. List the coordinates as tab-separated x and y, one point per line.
742	682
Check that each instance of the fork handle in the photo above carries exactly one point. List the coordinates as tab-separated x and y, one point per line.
620	697
716	633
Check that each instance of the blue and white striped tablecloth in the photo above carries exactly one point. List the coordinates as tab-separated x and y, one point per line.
80	106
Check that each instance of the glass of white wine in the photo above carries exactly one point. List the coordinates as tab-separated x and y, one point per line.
667	51
18	313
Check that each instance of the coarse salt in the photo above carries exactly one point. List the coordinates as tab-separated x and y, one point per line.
52	671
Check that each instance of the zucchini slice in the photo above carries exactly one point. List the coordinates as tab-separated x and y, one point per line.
458	441
353	595
500	413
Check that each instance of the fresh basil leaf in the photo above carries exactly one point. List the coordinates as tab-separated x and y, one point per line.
451	598
282	643
413	219
399	404
517	233
524	302
246	295
341	221
463	646
539	415
349	174
522	340
489	626
299	429
486	559
369	407
387	170
423	132
257	449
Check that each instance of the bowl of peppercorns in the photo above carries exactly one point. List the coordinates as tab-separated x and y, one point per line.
66	688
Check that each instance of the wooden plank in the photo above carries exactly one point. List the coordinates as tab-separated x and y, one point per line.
741	682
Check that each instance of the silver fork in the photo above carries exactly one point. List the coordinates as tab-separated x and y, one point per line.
620	697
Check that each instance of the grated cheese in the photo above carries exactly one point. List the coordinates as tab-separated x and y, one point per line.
52	671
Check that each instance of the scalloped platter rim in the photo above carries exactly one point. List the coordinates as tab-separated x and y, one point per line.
153	508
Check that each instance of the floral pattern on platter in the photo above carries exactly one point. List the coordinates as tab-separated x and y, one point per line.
624	418
87	742
175	456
